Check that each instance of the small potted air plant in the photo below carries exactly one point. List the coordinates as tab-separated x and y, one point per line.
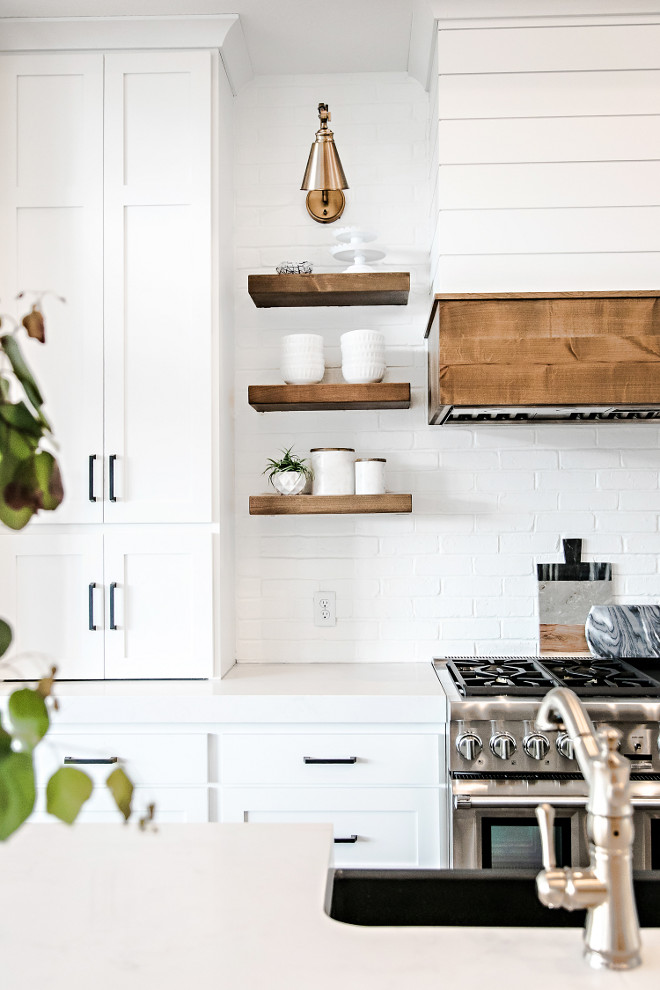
289	475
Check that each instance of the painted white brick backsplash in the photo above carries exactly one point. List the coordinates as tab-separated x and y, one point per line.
458	575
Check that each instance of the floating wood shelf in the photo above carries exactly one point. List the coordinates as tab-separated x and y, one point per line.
286	505
338	289
306	398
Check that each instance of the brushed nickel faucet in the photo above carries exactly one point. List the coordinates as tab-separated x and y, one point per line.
611	934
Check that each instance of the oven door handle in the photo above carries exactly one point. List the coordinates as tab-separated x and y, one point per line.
463	802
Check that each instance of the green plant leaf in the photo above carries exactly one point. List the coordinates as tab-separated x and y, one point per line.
5	636
66	792
28	486
5	742
17	792
121	789
11	348
19	416
49	480
28	716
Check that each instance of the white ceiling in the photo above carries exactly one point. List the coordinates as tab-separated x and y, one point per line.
282	36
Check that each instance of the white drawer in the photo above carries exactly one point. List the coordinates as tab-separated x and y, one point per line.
149	758
375	759
173	804
388	827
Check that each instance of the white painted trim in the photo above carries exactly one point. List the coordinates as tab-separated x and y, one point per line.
560	12
600	20
217	31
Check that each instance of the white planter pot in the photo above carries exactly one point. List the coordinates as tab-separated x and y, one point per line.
289	482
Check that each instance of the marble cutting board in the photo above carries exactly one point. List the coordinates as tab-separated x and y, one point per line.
566	593
624	630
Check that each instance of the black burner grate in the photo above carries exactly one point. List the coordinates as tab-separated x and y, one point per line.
529	676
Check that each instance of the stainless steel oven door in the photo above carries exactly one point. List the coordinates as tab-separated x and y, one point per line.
494	824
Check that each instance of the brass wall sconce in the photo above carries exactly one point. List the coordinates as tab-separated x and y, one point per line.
324	176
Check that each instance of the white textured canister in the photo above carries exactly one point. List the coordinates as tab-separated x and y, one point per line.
370	476
333	469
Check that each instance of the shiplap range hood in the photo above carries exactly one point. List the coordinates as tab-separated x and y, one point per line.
544	357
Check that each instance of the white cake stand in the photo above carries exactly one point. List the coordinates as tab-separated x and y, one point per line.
351	248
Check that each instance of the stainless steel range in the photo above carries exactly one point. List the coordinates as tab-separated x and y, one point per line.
501	766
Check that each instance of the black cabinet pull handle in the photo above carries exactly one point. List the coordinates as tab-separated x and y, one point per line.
111	461
348	838
113	624
90	605
92	496
78	759
344	759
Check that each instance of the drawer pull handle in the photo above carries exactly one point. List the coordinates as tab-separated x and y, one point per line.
111	462
102	759
113	624
348	838
90	606
341	759
92	496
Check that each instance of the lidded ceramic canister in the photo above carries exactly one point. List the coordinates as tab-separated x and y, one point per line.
333	470
370	476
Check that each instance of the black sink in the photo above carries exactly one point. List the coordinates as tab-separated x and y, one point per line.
491	898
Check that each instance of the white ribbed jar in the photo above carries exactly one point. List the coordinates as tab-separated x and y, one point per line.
301	358
370	476
362	356
333	469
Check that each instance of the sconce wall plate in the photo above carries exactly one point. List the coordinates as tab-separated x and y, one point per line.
325	205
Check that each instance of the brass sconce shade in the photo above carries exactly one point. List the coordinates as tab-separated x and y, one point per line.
324	175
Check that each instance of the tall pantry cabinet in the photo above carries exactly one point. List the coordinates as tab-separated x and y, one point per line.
106	199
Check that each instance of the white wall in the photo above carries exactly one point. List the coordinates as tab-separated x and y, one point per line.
542	148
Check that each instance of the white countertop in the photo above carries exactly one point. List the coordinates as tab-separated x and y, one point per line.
240	907
394	692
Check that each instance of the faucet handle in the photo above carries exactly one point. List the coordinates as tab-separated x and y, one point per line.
545	815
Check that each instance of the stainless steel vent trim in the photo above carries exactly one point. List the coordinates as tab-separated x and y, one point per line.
488	415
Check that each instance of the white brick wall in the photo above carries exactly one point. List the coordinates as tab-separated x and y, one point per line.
458	575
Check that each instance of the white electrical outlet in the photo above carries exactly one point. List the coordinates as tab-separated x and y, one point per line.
325	612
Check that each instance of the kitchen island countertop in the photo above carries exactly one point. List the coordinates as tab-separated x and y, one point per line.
241	907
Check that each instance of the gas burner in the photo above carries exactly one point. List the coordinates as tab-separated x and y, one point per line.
503	675
608	677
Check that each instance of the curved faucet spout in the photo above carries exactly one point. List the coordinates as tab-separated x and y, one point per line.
562	706
611	936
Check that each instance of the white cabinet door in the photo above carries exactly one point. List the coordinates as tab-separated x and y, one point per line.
51	593
159	603
157	248
373	826
51	219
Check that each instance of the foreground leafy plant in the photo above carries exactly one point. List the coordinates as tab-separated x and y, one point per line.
30	478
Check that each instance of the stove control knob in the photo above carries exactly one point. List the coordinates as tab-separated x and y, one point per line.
503	745
565	746
536	745
469	745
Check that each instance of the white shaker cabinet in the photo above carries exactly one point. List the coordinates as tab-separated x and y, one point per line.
105	198
51	219
127	603
157	248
